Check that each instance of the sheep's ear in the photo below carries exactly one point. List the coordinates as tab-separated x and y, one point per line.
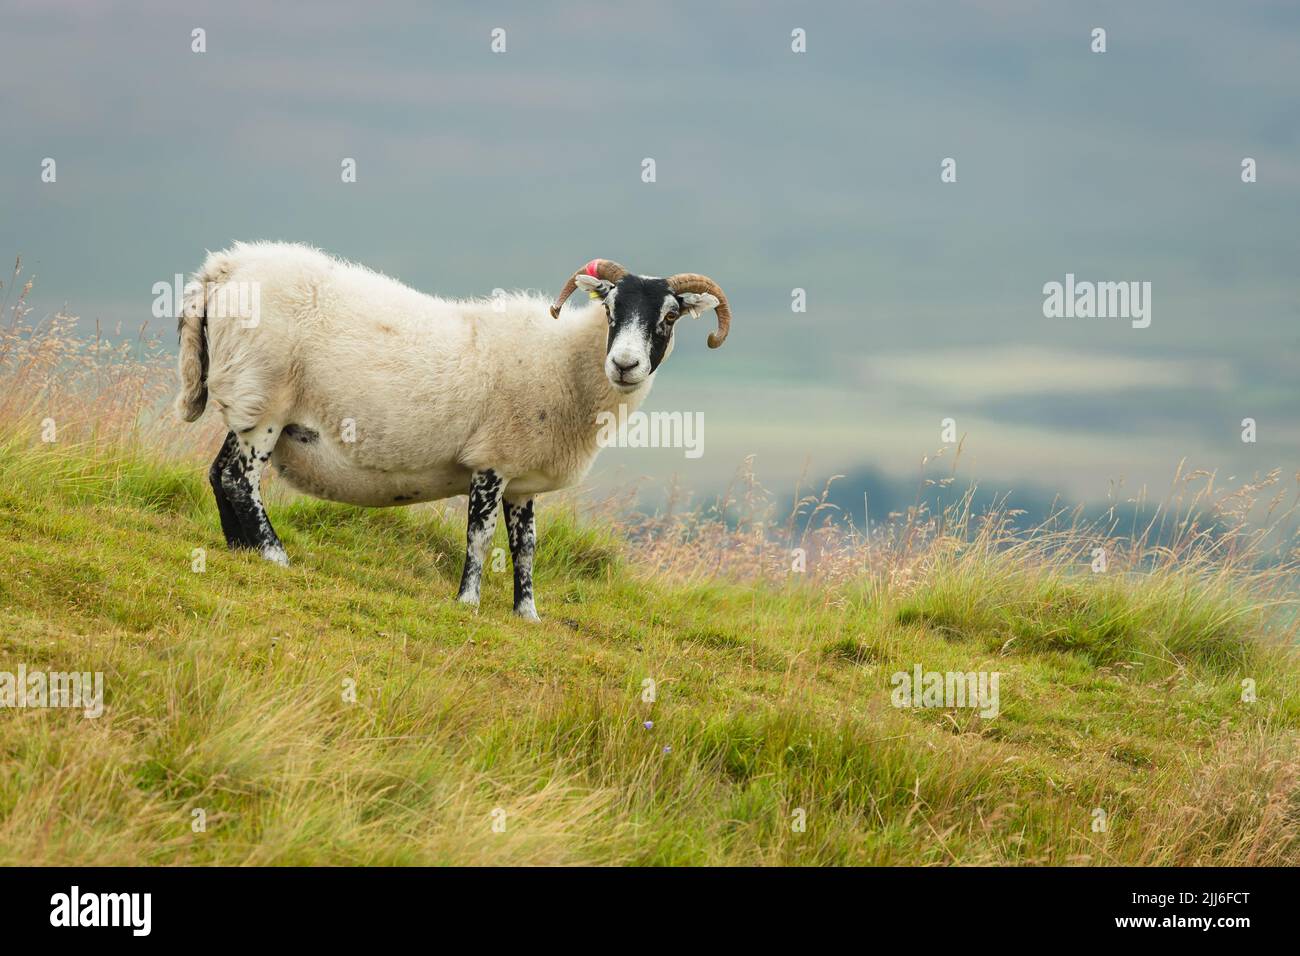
593	286
697	302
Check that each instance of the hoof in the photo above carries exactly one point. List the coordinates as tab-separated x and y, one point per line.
469	599
527	612
276	555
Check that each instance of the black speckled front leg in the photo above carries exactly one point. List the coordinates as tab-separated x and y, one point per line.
522	531
485	488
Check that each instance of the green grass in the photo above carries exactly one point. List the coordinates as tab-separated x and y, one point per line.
225	693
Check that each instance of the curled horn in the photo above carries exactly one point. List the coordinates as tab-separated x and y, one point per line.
606	269
693	282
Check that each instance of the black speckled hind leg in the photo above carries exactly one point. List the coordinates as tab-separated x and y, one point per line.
230	526
241	481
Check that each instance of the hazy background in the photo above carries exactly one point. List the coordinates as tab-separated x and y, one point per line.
775	170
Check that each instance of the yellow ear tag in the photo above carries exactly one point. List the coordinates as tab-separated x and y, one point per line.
592	295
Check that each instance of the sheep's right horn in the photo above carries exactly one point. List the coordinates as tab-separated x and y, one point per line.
606	269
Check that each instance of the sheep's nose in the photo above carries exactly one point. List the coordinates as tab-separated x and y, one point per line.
626	368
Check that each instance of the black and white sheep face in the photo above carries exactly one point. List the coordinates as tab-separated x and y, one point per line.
642	312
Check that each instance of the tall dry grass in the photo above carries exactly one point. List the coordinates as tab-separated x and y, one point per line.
105	392
1243	536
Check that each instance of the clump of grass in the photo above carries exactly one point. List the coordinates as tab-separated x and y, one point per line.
852	650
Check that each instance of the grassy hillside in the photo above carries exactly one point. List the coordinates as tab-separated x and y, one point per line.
347	710
225	692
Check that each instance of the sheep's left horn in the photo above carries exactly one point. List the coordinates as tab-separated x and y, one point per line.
606	269
693	282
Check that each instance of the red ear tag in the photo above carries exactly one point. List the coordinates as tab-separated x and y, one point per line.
591	268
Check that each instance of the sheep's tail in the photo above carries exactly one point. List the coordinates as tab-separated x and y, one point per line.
193	328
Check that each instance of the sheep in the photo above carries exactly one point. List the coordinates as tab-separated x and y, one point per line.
359	389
